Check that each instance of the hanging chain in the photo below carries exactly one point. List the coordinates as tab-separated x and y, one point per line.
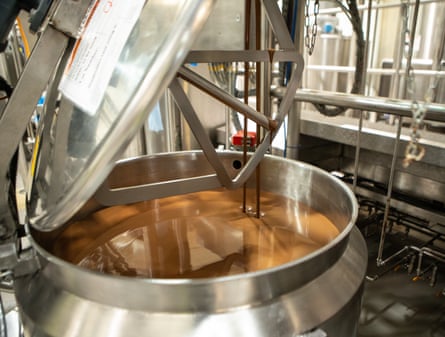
406	30
311	31
414	151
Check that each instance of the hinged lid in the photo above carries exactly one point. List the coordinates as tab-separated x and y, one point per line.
78	143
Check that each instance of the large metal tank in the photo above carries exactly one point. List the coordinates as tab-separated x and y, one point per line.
317	295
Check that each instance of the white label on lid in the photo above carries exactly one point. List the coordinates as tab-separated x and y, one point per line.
97	51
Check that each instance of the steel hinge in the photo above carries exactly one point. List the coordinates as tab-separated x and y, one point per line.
17	258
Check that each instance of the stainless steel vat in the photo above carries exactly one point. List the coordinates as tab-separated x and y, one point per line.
316	295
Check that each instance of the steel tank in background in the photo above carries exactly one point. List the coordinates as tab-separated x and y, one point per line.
335	50
319	293
432	46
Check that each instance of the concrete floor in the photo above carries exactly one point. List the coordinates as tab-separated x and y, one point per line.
398	303
396	306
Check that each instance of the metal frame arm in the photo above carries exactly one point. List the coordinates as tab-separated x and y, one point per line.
53	42
110	196
33	81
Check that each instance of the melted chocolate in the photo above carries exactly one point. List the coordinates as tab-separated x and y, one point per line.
197	235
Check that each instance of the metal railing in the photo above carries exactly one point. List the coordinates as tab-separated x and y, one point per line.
401	109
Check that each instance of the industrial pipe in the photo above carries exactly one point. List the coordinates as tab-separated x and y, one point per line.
434	112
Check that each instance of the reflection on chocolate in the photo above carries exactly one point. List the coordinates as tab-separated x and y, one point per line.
202	234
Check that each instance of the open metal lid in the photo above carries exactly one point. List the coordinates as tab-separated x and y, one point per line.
82	134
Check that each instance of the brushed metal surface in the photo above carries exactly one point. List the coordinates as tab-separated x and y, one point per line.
330	302
68	175
424	179
283	301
